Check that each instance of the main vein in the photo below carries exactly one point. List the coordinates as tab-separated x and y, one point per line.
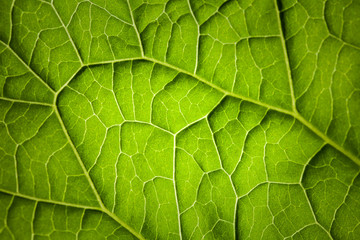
292	113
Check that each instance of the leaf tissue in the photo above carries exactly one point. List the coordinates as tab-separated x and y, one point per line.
179	119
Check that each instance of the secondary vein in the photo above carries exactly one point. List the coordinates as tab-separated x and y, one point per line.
294	114
286	57
27	66
92	185
36	199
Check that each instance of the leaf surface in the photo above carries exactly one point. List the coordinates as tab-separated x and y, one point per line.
180	119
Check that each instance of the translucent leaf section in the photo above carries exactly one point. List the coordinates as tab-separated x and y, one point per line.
89	108
144	187
26	219
325	62
182	102
41	41
181	119
18	82
240	50
330	176
168	31
37	160
136	84
98	33
283	217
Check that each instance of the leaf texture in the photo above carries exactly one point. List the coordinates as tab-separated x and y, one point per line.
179	119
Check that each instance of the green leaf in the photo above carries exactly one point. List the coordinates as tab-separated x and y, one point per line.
179	119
